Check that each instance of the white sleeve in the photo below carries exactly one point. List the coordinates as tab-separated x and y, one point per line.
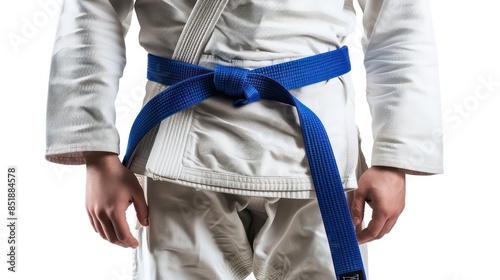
87	62
403	85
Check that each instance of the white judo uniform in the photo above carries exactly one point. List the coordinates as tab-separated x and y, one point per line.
255	151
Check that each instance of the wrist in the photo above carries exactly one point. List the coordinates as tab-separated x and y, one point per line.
99	158
391	169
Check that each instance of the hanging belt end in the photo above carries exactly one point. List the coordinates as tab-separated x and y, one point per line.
356	275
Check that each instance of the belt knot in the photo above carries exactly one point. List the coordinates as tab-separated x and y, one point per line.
233	81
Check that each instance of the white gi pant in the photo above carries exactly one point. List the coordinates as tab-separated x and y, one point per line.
201	234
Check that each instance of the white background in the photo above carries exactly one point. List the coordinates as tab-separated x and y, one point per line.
449	230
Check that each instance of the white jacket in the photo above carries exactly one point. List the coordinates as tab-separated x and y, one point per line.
256	149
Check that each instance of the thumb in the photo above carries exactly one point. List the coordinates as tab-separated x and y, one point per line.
141	208
358	207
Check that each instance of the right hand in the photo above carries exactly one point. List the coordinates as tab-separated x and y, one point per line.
110	189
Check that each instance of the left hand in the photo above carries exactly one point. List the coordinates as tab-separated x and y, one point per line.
383	188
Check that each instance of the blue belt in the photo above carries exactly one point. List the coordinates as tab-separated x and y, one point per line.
191	84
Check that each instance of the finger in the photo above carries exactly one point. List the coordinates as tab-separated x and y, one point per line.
389	225
141	207
99	229
92	222
386	229
122	230
358	207
373	230
108	230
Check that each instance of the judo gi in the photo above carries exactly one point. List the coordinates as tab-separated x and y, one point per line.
256	151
